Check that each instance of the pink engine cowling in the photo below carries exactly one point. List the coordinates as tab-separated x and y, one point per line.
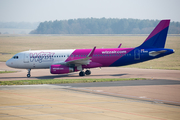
60	69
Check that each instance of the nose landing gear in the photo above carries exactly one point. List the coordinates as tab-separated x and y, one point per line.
29	73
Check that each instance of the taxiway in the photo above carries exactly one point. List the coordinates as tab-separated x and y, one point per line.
155	99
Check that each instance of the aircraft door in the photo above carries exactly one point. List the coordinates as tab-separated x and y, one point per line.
136	54
26	57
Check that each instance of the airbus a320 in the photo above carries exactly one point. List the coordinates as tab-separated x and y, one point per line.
73	60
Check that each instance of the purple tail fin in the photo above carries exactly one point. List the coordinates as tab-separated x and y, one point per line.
157	38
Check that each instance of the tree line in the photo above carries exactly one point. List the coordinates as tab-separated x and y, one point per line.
101	26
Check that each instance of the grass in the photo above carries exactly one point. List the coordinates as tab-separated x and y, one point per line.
7	72
63	81
14	44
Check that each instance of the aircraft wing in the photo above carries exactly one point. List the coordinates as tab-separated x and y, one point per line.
79	62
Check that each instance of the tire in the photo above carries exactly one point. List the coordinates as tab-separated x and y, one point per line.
81	73
28	75
88	72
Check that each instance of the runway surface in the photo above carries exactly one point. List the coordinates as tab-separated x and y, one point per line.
155	99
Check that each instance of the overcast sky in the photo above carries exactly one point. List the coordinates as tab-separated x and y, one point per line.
46	10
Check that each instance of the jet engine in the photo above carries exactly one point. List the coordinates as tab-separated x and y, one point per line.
60	69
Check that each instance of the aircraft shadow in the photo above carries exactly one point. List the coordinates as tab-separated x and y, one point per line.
72	75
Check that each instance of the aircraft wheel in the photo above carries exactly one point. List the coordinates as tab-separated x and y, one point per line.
88	72
81	73
28	75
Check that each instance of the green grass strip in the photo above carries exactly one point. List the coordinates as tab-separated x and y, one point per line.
63	81
7	72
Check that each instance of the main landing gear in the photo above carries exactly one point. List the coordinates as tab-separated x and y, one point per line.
29	73
82	73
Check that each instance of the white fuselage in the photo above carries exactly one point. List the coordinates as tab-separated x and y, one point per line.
38	59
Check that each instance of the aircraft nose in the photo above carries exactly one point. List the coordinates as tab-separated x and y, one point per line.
8	63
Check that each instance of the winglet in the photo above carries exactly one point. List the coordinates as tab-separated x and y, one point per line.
92	52
119	45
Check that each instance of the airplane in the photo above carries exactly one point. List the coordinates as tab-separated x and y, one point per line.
73	60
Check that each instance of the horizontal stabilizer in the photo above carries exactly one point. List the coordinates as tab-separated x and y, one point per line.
155	53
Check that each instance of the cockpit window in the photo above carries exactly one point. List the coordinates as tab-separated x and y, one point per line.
15	57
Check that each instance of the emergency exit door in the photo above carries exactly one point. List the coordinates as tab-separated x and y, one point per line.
136	54
26	57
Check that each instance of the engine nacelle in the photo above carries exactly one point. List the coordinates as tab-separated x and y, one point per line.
60	69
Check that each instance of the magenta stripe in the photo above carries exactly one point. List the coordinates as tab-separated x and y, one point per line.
103	60
162	25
